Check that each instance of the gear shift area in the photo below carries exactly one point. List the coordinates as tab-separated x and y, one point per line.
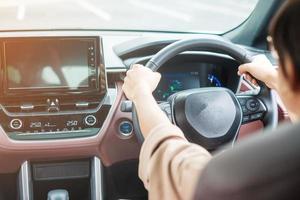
61	180
58	194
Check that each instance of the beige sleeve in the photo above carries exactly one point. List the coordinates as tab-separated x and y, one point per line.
170	166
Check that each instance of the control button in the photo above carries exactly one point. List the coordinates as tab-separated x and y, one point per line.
125	128
256	116
126	106
242	101
93	82
90	120
93	71
53	105
16	124
252	105
27	107
246	118
82	104
245	110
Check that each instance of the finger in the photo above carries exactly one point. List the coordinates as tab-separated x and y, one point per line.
244	68
254	82
248	77
136	66
128	72
124	88
261	58
157	75
126	80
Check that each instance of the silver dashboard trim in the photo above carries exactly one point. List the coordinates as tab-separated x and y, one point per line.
107	100
25	182
96	179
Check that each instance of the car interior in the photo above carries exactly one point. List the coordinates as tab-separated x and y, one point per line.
67	129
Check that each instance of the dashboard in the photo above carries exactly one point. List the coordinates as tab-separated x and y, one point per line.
61	97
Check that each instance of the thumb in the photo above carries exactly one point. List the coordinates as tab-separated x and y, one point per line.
245	68
157	76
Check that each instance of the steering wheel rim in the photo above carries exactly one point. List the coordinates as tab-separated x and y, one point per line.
214	44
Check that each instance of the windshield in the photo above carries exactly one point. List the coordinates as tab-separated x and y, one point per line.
216	16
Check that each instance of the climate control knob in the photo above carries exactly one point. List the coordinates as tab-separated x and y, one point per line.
90	120
16	124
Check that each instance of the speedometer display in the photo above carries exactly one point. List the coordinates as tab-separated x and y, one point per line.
213	81
175	82
181	78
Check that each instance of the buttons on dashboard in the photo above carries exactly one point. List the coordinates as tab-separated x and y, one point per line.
90	120
16	124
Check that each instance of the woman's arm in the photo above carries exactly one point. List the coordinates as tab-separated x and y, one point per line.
169	165
138	86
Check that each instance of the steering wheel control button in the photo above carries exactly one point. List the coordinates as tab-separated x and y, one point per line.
256	116
16	124
252	105
90	120
242	101
245	110
246	118
125	128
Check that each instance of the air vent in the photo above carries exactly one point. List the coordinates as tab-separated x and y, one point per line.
38	108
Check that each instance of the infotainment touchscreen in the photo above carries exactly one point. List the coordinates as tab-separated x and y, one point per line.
47	64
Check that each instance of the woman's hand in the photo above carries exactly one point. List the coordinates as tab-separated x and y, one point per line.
260	69
140	81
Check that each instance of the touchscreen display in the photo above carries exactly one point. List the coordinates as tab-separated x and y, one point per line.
42	64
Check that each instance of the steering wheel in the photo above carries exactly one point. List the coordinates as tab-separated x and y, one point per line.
211	116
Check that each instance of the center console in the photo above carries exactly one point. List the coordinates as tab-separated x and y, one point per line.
52	87
79	179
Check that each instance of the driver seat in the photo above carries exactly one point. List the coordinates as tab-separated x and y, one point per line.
266	166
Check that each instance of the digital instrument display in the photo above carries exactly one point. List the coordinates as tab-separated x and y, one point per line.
208	75
50	64
173	82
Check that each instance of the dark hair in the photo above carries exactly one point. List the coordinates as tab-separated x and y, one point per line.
285	33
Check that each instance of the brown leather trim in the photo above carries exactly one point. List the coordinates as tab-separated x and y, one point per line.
107	145
250	128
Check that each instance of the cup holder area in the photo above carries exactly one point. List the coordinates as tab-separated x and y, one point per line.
82	179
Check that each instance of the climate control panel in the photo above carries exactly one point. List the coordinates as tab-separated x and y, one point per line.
56	125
